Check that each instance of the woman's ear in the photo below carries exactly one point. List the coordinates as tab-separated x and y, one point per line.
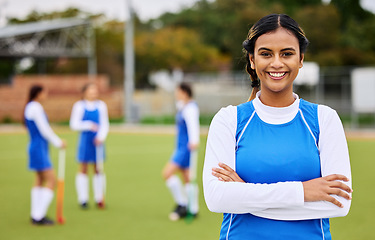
301	60
252	64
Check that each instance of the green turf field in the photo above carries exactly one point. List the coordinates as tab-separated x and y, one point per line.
138	202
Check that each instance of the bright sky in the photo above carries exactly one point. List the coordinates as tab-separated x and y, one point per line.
146	9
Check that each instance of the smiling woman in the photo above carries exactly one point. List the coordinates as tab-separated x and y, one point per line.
276	64
276	166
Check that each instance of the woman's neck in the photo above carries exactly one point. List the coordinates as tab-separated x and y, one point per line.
277	99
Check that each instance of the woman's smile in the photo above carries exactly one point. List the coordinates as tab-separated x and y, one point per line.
277	75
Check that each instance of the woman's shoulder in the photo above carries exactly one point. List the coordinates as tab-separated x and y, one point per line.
325	113
79	103
33	106
230	109
101	104
228	113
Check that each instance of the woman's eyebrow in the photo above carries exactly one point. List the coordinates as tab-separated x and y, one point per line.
284	49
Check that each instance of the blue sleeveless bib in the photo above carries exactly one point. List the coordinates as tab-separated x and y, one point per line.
271	153
38	148
86	148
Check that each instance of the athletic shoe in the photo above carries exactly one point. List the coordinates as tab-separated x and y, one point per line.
84	205
100	205
43	221
179	212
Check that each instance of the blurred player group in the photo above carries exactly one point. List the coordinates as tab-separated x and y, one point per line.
89	117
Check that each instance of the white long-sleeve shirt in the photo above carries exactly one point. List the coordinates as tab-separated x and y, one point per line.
77	124
190	113
283	200
34	112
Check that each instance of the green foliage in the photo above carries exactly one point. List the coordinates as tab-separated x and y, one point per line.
110	50
204	120
170	48
209	36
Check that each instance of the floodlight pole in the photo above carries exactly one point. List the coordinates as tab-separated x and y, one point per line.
129	66
92	70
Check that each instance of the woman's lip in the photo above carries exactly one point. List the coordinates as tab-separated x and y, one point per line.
277	75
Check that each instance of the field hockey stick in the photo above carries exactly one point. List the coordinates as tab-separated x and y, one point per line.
100	167
193	189
60	187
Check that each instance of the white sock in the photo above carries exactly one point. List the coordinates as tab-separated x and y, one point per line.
47	196
82	187
192	191
178	192
36	196
98	185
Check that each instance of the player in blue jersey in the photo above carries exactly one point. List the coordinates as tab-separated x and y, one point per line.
40	133
90	117
187	140
277	166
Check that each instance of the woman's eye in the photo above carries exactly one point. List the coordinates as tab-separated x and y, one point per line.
265	54
287	54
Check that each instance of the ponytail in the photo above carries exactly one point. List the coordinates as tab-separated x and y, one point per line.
255	83
34	92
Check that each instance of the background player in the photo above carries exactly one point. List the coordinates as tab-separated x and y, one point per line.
187	140
40	134
90	117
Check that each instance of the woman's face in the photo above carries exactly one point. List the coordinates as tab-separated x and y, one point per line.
277	60
91	92
180	95
43	95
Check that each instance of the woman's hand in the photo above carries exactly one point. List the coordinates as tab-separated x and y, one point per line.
97	142
63	144
226	174
321	189
193	146
94	127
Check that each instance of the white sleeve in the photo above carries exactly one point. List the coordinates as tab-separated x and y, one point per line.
36	113
103	122
235	197
191	116
76	123
334	158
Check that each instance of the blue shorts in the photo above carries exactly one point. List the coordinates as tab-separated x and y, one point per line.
181	157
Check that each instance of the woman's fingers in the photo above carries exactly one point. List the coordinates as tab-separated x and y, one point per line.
325	188
221	175
336	177
226	173
334	201
340	185
343	194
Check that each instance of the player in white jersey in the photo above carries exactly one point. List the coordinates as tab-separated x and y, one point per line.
187	140
90	117
40	133
276	166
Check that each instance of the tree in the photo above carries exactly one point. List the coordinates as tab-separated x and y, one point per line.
170	48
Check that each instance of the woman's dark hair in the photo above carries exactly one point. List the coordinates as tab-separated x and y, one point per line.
185	87
268	24
34	92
